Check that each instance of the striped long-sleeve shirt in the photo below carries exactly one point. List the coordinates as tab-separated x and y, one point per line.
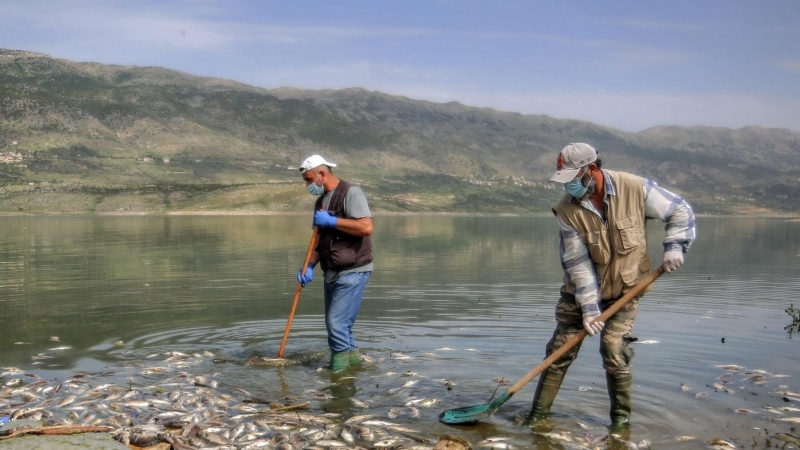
659	203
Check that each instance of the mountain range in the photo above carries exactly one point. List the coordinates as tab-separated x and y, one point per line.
93	138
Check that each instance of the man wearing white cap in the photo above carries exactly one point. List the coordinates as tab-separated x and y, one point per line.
344	250
603	251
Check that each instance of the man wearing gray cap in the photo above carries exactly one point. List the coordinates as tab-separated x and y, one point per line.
603	251
344	250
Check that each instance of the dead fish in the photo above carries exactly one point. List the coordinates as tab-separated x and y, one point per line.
555	436
394	413
54	338
359	403
501	380
756	379
685	438
205	381
386	443
446	382
721	443
701	395
215	438
494	442
426	402
627	444
495	445
743	411
66	401
189	431
63	347
410	383
330	443
346	435
786	437
646	342
358	419
389	425
685	387
144	439
730	367
790	419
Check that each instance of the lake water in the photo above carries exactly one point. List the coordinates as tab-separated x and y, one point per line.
466	299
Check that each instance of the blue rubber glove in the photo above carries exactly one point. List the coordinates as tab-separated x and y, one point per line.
305	276
324	219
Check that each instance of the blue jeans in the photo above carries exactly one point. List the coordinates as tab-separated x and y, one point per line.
342	303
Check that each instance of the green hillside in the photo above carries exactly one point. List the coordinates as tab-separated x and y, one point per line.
93	138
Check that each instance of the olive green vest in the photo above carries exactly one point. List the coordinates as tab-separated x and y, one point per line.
619	248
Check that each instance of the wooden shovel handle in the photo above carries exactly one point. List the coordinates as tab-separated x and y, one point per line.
579	337
297	291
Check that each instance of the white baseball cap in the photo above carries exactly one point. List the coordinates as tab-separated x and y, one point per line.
571	160
313	162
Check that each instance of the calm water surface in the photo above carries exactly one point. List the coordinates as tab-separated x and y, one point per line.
466	299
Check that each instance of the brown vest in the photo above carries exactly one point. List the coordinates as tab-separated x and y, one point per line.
338	250
618	249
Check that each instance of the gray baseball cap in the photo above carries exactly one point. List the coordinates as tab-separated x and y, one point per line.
571	160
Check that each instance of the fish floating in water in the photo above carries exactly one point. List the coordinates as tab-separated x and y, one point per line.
721	444
163	398
424	402
730	367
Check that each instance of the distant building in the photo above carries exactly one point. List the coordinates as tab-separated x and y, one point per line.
147	159
292	168
166	160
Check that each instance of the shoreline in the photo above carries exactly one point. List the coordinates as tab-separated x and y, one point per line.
792	217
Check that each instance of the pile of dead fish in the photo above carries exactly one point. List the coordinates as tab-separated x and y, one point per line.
189	412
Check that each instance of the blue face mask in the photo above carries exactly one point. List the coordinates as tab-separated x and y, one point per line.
315	189
575	187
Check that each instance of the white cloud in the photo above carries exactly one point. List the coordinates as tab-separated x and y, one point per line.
623	110
638	111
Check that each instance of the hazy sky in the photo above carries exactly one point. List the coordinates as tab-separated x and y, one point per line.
625	64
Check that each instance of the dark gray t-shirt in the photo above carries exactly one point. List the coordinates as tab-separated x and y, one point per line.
355	207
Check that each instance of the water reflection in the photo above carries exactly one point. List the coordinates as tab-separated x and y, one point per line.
467	299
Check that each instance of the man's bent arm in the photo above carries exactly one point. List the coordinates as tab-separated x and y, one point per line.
671	208
355	227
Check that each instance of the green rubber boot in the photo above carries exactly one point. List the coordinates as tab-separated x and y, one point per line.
339	361
619	392
355	358
549	383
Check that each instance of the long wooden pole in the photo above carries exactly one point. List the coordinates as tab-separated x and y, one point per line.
616	306
311	246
